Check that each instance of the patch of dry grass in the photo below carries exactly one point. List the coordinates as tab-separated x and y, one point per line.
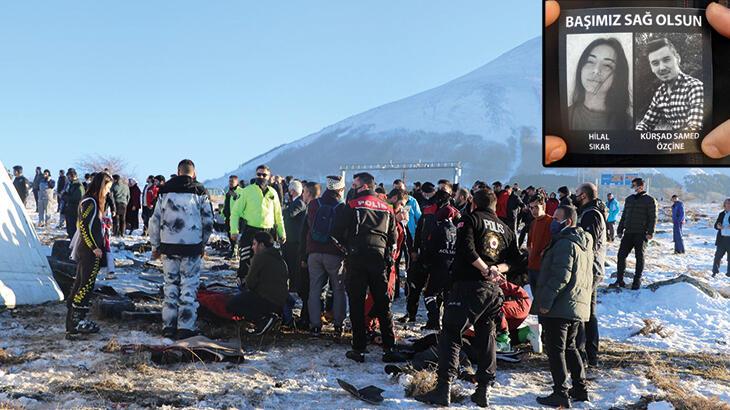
664	377
653	326
9	359
4	405
112	346
421	382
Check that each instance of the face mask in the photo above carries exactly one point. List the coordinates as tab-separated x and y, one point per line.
556	226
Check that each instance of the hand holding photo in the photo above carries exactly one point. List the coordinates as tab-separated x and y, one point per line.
630	85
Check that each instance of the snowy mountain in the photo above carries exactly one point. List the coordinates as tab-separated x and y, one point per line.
486	119
489	119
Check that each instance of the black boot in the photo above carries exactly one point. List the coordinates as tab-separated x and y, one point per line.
481	396
356	355
439	396
636	284
76	323
579	394
432	309
618	284
555	400
267	323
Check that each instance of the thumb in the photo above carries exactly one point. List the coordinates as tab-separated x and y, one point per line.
716	144
555	149
552	11
719	18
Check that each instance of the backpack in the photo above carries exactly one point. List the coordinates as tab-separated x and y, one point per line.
428	222
324	220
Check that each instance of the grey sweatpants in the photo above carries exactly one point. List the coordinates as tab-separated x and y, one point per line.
182	276
324	267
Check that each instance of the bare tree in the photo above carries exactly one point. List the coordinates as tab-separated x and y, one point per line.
96	163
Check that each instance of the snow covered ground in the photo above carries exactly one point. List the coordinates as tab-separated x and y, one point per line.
299	371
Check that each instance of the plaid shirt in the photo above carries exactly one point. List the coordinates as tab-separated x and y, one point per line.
680	109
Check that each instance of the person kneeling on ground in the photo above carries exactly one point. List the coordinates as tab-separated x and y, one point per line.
563	301
515	310
266	286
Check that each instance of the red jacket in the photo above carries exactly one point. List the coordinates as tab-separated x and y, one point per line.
516	306
537	240
551	205
151	196
502	199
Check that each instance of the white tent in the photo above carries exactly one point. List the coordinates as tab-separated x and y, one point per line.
25	276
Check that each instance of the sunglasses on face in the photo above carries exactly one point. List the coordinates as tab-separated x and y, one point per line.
262	174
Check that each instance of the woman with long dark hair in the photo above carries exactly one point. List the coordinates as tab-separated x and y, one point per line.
601	99
88	251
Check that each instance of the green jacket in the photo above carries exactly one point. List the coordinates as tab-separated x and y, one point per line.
268	276
258	210
565	284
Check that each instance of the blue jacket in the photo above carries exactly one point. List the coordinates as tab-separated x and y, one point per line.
678	213
413	215
613	210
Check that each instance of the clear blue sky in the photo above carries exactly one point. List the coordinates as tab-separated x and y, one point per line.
223	81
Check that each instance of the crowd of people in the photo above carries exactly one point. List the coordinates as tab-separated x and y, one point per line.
467	252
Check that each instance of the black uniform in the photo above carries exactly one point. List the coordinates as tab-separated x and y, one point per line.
473	300
367	226
440	249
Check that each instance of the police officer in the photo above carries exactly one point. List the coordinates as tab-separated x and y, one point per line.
257	209
485	249
366	226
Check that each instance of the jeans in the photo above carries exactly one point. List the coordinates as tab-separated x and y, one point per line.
323	268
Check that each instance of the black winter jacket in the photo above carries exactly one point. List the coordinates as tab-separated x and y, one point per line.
592	219
294	216
639	215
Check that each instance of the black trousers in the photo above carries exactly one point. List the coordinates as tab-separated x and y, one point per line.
722	249
433	294
71	215
146	215
367	271
636	242
610	231
587	338
251	306
563	357
120	219
474	303
416	280
132	219
245	242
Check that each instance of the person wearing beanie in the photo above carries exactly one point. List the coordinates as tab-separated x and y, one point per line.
323	258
